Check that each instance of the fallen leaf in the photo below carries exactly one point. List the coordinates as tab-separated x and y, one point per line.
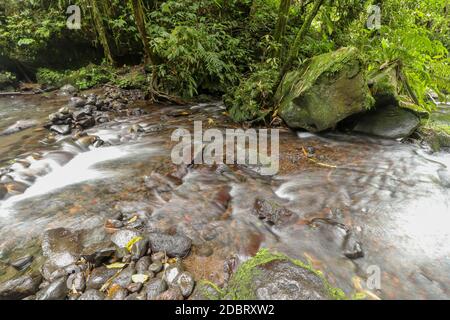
116	265
139	278
130	243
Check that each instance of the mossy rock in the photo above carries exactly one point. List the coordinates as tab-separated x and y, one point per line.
324	90
8	81
388	89
274	276
437	136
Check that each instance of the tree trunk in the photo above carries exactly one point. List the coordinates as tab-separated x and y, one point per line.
295	47
283	15
139	18
100	27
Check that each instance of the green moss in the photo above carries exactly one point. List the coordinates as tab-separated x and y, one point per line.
325	90
131	79
240	285
436	135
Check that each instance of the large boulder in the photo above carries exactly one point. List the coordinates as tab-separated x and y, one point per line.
274	276
389	122
324	90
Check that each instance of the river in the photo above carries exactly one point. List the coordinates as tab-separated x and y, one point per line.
391	198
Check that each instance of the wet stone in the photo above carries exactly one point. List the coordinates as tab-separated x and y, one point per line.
77	102
134	287
154	288
57	290
92	294
61	129
119	294
139	249
124	277
186	283
155	266
61	247
171	273
122	237
158	256
173	293
20	288
143	264
173	246
99	276
22	263
76	282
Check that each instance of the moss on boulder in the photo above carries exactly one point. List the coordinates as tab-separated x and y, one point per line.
274	276
324	90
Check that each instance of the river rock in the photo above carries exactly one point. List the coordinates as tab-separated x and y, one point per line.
143	264
22	263
134	287
61	129
91	99
173	246
98	253
272	212
283	280
173	293
324	90
86	122
3	191
76	281
154	288
20	288
155	267
139	249
67	90
18	126
389	122
124	277
444	177
61	246
122	237
77	102
119	294
186	283
57	290
171	273
92	294
99	276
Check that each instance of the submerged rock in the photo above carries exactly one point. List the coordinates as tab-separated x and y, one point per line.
20	288
22	263
18	126
122	237
173	246
388	122
61	129
325	90
272	212
61	246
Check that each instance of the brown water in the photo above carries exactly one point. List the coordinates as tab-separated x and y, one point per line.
392	197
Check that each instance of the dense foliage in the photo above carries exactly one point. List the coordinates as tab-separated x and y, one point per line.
239	48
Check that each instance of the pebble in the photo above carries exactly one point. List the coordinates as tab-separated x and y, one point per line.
154	288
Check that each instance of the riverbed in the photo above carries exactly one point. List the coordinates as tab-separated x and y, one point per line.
389	199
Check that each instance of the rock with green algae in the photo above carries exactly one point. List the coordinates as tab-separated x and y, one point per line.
437	136
274	276
324	90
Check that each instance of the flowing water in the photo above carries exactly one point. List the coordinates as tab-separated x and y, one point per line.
391	198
